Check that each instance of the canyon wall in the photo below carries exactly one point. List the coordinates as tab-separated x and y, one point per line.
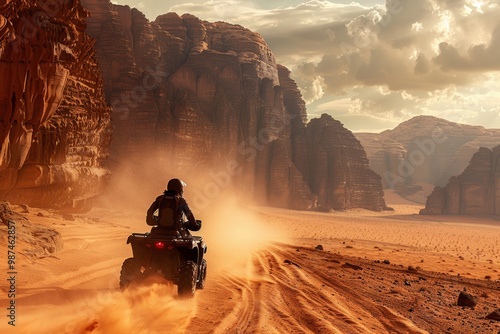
424	152
475	191
54	121
209	101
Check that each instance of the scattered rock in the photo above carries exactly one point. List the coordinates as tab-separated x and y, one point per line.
319	247
351	266
495	315
68	216
407	283
386	262
291	263
466	299
92	326
411	269
40	214
24	208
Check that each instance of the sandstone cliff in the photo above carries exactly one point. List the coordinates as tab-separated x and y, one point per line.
200	97
424	151
475	191
337	167
54	121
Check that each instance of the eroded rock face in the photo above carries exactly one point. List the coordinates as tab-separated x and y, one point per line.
209	99
475	191
54	121
32	240
337	168
424	151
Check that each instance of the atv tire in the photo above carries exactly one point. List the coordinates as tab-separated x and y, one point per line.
203	274
131	271
187	279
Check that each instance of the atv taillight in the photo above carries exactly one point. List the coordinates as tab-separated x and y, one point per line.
159	244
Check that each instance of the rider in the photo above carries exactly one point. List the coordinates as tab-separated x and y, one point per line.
167	211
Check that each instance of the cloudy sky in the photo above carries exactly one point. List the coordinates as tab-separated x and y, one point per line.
372	64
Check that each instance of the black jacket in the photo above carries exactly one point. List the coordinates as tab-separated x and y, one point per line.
182	209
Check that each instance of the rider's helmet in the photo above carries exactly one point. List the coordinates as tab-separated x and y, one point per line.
177	186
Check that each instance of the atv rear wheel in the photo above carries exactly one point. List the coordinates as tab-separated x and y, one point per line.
187	279
131	271
203	274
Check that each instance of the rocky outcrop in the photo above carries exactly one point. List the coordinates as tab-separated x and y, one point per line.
209	101
54	121
475	191
424	150
337	168
32	240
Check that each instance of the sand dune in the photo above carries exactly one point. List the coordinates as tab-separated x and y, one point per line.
266	277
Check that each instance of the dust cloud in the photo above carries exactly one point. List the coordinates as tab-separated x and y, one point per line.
233	234
139	309
230	228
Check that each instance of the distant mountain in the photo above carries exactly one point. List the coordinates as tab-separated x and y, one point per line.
424	152
475	191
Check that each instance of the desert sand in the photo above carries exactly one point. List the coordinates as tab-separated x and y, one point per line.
265	275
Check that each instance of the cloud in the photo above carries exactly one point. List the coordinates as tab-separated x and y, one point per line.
395	60
404	59
479	57
347	111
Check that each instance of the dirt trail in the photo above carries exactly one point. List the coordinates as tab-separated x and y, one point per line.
283	289
313	292
261	288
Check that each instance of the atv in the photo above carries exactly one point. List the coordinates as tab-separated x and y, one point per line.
176	257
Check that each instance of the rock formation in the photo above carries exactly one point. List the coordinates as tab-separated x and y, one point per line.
54	121
475	191
200	97
424	151
32	240
336	167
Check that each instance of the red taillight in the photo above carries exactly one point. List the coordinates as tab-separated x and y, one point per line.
159	245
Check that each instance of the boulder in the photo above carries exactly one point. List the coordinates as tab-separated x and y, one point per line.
466	299
495	315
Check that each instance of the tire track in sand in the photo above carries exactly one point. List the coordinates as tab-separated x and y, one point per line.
275	297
